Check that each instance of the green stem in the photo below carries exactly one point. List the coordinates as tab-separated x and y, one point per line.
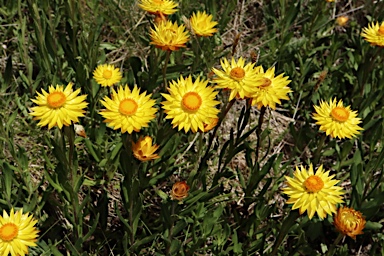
258	131
171	228
288	222
316	156
168	54
331	250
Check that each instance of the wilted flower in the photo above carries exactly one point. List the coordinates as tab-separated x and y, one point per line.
349	222
179	190
144	150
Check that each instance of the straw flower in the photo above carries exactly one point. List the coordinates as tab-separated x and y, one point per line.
270	89
211	124
189	104
17	233
313	192
342	20
164	7
202	24
128	110
107	75
144	150
58	106
179	190
374	34
237	77
337	120
349	222
169	36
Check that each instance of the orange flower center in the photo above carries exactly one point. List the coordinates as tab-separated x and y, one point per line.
56	99
8	232
237	73
191	101
107	74
314	183
340	114
265	82
128	107
381	30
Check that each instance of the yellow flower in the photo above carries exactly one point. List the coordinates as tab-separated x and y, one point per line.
17	233
179	190
58	106
342	20
169	36
202	24
374	34
166	7
107	75
238	78
190	104
349	222
143	149
270	89
314	193
211	124
128	110
337	120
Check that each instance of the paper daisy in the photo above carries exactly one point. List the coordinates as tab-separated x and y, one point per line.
144	150
58	106
202	24
337	120
169	36
107	75
128	110
314	193
165	7
17	233
374	34
349	222
237	77
189	104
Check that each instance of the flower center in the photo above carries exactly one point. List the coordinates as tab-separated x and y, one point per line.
265	82
8	232
107	74
169	34
128	107
237	73
350	220
340	114
381	30
314	183
56	99
191	101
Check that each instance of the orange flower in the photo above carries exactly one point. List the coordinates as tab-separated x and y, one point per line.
143	149
342	20
349	222
179	190
209	126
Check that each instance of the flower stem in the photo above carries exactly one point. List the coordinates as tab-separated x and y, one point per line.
258	130
168	54
331	250
316	156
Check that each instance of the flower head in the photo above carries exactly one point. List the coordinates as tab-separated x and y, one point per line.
270	89
144	150
179	190
165	7
314	193
349	222
128	110
202	24
169	36
211	124
58	106
107	75
337	120
342	20
17	233
237	77
189	104
374	34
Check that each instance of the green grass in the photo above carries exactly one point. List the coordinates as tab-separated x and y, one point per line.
96	199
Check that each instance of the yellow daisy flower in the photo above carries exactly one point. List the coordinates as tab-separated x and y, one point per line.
17	233
144	150
349	222
107	75
314	193
190	104
169	36
128	110
237	77
166	7
374	34
58	106
202	24
337	120
270	89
